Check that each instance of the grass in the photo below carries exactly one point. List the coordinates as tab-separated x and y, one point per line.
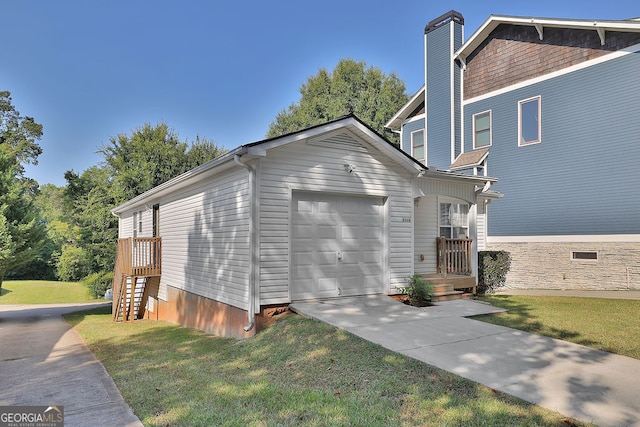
298	372
611	325
43	292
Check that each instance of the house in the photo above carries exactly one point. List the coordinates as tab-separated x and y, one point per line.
551	107
330	211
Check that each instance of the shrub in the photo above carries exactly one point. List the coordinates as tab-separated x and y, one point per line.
418	290
98	283
73	264
493	267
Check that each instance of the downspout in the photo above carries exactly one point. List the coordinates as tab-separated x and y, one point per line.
252	192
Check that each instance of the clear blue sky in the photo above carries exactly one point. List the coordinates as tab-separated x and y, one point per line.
88	70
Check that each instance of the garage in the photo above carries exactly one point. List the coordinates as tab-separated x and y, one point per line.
338	245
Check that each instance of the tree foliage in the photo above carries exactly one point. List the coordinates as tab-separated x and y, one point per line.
133	164
22	233
352	87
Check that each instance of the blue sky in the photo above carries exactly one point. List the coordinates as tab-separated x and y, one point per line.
88	70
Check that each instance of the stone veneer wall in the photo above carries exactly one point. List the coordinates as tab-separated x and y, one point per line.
549	266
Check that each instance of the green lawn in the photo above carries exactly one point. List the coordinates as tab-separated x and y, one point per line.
298	372
43	292
611	325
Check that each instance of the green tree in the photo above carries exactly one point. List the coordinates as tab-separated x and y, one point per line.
22	233
133	164
150	156
352	87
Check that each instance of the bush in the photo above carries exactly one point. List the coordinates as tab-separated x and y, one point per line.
418	290
73	265
98	283
493	267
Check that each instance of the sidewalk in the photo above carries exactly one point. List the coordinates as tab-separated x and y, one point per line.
44	362
577	381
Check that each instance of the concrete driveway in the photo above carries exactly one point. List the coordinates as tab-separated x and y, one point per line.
577	381
44	362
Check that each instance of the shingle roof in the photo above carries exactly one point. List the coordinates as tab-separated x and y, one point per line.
470	159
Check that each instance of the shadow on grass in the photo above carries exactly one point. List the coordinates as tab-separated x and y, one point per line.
4	291
299	371
521	316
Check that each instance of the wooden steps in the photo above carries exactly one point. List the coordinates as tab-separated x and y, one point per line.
445	292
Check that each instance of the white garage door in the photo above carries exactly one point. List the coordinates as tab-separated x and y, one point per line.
337	245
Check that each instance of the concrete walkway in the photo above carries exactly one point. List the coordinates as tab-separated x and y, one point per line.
577	381
44	362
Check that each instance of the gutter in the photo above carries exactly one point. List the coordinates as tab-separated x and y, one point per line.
252	242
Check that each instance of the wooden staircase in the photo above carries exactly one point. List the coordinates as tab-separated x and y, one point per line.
136	271
451	287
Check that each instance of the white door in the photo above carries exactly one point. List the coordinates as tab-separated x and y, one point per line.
338	245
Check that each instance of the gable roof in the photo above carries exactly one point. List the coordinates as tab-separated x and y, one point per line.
395	123
258	149
601	27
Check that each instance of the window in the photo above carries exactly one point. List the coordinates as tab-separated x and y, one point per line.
135	224
482	129
454	220
584	256
529	119
417	145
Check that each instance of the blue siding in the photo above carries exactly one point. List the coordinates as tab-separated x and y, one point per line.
438	84
584	176
406	133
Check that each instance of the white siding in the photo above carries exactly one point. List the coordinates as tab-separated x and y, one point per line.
481	223
319	166
205	239
127	227
426	231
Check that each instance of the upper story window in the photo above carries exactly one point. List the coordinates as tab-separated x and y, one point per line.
417	145
529	119
482	129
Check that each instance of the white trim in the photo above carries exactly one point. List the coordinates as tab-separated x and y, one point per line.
493	21
593	238
424	146
586	64
415	118
452	106
539	139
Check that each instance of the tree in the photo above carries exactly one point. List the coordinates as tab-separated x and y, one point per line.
151	156
352	87
22	234
132	165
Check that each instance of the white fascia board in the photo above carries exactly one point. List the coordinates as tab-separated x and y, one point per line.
583	238
363	132
208	169
540	23
395	123
473	179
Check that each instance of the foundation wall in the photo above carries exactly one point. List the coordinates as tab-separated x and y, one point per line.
550	265
194	311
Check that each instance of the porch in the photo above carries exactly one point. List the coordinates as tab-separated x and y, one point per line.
453	278
137	269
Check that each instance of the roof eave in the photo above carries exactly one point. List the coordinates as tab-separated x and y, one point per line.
540	23
395	123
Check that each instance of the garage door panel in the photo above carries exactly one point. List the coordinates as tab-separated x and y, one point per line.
341	241
327	258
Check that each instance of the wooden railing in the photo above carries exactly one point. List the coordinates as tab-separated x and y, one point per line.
454	256
135	257
141	257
